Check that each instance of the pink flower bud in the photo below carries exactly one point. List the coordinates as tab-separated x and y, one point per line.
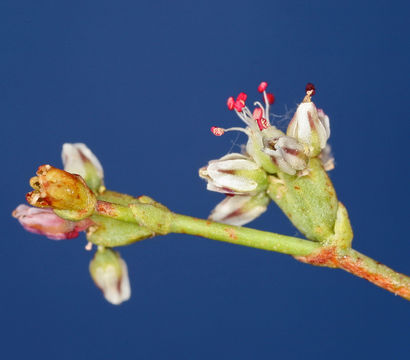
46	222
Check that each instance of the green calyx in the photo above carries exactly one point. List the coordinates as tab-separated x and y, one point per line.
106	257
309	201
152	215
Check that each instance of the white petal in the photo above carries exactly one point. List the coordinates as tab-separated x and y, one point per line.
73	160
125	282
219	172
324	119
304	130
228	211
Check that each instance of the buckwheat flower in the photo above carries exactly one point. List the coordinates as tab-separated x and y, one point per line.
310	126
288	154
240	209
46	222
61	190
79	159
258	128
267	146
110	274
234	174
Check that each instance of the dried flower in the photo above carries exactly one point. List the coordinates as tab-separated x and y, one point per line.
46	222
61	190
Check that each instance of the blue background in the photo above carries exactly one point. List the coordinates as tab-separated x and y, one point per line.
141	83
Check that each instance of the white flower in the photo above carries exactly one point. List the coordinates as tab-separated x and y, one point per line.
234	174
288	154
240	209
310	128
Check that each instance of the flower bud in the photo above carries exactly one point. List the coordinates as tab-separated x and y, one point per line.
46	222
110	274
240	209
234	174
79	159
309	128
61	190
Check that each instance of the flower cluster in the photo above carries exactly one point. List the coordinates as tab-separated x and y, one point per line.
64	201
269	151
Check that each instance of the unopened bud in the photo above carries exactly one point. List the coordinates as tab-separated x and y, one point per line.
240	209
110	274
79	159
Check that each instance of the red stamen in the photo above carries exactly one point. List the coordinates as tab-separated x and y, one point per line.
239	105
257	114
217	131
230	103
271	98
241	97
262	86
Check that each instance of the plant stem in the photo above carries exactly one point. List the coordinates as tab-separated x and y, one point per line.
307	251
216	231
242	235
362	266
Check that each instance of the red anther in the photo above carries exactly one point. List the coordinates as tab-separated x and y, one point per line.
257	114
262	86
217	131
241	97
310	87
271	98
230	103
239	105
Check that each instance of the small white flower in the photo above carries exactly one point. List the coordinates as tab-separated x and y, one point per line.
288	154
308	128
234	174
240	209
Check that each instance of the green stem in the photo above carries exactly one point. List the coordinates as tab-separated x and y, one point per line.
362	266
216	231
151	218
242	235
